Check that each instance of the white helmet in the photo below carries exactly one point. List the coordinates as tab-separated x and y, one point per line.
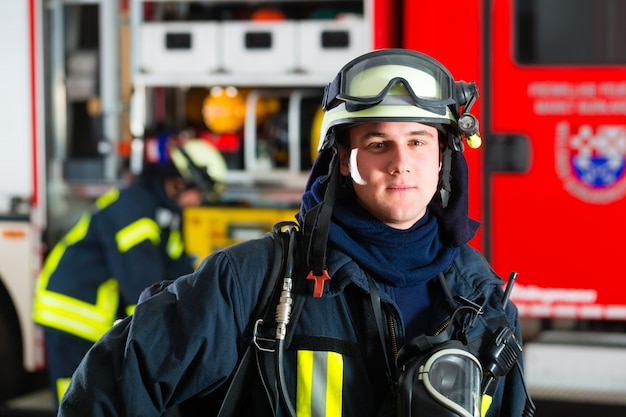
399	85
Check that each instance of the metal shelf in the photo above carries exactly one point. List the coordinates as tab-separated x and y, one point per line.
291	84
295	80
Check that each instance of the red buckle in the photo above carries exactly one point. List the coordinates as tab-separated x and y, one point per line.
319	282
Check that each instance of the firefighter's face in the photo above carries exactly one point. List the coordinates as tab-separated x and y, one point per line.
394	168
183	195
191	197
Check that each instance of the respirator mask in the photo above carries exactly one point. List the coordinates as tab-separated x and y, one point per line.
440	376
443	381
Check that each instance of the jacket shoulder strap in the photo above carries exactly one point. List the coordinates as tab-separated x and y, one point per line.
240	386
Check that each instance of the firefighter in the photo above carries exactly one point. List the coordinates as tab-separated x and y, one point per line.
128	239
380	261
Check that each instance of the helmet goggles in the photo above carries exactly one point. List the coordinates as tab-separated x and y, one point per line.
366	81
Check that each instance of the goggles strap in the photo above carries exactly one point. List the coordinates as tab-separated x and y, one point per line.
330	94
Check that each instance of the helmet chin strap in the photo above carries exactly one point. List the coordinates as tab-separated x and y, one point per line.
444	181
316	225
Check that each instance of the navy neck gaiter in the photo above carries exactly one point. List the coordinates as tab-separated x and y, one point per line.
398	258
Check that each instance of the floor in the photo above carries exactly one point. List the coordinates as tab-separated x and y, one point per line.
39	404
36	404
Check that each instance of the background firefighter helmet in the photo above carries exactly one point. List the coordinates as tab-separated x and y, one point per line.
201	165
197	161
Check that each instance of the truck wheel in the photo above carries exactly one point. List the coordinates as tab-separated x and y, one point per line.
12	374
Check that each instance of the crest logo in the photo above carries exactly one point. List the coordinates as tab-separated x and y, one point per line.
592	165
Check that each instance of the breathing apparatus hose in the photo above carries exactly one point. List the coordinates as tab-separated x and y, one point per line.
283	314
316	224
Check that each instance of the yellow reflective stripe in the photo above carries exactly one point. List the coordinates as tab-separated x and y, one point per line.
107	198
68	314
334	394
62	385
303	383
319	384
485	404
77	317
137	232
75	234
130	310
175	244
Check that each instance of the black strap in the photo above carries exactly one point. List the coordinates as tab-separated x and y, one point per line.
269	363
444	182
317	221
240	386
446	291
378	314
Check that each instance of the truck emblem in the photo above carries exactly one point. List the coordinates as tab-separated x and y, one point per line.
591	164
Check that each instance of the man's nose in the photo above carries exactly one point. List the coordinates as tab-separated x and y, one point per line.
400	161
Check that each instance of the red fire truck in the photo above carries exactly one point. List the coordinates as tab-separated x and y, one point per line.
549	183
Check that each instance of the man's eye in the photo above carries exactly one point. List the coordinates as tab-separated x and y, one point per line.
376	145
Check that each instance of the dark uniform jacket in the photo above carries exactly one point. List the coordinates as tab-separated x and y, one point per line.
186	341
